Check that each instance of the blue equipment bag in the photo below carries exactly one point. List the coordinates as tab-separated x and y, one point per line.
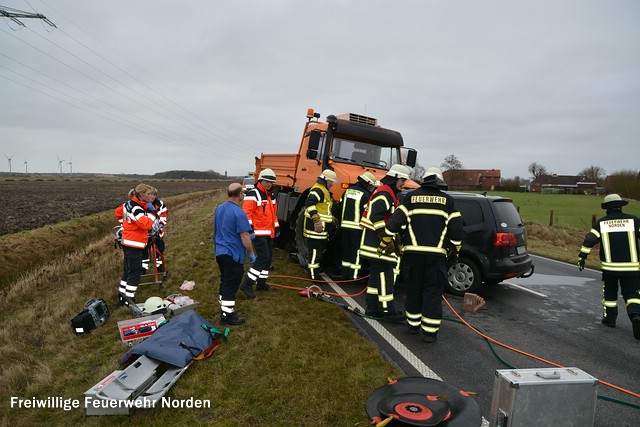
185	337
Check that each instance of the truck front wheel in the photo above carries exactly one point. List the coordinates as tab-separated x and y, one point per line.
301	244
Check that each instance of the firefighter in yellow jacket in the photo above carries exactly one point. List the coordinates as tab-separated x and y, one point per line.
317	219
618	233
385	266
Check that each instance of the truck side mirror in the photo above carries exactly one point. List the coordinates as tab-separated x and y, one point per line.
312	154
314	141
412	156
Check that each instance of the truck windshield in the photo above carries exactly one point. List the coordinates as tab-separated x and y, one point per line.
363	153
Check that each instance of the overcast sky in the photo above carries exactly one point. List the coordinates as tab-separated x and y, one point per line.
147	86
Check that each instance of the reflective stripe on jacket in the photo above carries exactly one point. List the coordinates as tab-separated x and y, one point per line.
617	234
136	223
318	201
379	209
261	209
353	202
432	220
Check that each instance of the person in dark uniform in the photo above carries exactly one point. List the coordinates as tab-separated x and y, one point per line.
434	233
618	233
384	265
353	202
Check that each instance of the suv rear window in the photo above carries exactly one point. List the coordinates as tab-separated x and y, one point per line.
506	213
471	211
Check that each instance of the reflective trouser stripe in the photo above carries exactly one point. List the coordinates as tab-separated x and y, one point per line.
253	274
314	263
431	325
633	301
226	306
414	319
130	290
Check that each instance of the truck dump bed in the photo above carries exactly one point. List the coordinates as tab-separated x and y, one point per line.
284	165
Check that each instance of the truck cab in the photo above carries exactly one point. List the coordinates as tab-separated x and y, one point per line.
349	144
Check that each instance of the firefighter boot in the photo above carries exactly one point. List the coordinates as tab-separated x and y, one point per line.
247	288
429	337
635	321
610	316
230	318
261	285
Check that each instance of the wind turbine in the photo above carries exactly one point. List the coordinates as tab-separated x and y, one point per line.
9	159
25	165
70	165
60	164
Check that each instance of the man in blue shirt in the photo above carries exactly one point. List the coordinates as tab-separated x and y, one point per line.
231	244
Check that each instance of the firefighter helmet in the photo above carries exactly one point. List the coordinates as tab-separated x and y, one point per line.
329	175
399	171
432	171
154	305
613	201
267	175
368	177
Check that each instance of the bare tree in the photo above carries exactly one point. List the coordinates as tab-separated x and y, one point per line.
417	172
451	162
594	174
537	170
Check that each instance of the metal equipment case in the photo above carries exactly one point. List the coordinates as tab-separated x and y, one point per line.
558	397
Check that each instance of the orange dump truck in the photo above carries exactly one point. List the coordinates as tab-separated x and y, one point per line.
350	144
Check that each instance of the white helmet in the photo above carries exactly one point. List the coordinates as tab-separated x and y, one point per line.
613	201
368	177
329	175
432	171
399	171
154	305
267	175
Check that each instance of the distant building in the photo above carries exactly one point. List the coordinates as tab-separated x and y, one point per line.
472	179
567	184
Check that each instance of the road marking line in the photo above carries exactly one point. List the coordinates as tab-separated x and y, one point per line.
522	288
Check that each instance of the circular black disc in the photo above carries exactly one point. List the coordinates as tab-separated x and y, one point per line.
415	409
465	411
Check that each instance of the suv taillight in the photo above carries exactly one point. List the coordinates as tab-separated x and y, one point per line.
504	239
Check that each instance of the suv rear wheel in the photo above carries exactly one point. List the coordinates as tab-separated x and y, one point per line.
463	277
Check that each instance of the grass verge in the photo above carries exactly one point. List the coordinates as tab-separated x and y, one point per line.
296	361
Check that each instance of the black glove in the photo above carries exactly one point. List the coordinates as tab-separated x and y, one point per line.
581	262
452	255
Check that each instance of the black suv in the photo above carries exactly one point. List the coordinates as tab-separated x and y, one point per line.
494	246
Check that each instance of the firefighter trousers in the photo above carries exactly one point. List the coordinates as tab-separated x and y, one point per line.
629	288
230	277
259	271
380	288
425	277
350	263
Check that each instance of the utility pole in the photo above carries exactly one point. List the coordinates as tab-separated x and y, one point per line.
14	14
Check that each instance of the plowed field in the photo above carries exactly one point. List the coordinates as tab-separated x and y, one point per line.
30	204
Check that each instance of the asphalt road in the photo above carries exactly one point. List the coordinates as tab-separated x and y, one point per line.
554	315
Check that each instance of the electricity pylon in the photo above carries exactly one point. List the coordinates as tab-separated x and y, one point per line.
14	14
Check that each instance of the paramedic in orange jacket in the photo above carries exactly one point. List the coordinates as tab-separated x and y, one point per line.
260	206
138	217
